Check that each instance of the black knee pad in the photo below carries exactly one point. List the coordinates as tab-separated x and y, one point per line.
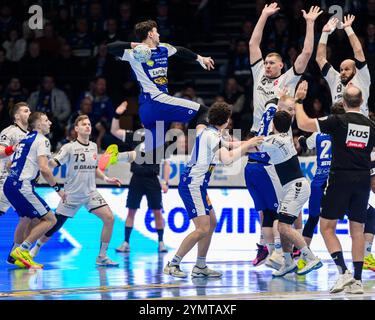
269	216
59	223
370	221
309	227
284	218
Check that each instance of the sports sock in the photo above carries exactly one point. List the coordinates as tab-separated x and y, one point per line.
288	258
338	258
176	261
201	262
278	244
368	248
358	266
103	249
25	246
128	231
307	254
160	234
270	247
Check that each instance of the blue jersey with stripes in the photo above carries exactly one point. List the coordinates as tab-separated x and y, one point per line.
203	158
264	130
322	143
152	75
25	160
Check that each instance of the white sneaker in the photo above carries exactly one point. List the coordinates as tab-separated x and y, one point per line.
285	269
174	271
356	287
275	261
310	266
205	272
342	281
105	262
162	248
123	248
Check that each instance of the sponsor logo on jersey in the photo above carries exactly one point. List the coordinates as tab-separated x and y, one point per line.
357	136
157	72
161	81
276	82
150	63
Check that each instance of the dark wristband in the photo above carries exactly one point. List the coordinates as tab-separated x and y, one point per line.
57	187
117	116
300	101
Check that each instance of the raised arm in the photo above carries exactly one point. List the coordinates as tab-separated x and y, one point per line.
321	53
354	41
256	37
303	121
115	126
206	63
308	46
117	48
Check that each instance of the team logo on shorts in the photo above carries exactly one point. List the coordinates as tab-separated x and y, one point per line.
357	136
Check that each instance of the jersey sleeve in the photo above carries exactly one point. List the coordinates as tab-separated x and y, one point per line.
267	145
43	147
265	122
327	124
128	55
63	155
330	74
171	49
257	69
311	141
363	76
5	139
289	80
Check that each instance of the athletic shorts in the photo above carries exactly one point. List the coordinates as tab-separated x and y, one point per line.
24	199
347	192
196	200
263	185
317	191
72	204
144	185
4	202
295	194
164	108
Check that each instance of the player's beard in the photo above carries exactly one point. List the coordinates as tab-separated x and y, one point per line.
347	80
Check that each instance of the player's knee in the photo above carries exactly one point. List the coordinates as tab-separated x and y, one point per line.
203	231
109	219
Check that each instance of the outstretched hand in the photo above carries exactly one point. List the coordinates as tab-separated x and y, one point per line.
348	21
207	63
270	9
331	25
313	14
301	91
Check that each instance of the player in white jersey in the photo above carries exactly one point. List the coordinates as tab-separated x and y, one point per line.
267	74
9	138
29	161
354	72
269	82
295	193
208	150
80	156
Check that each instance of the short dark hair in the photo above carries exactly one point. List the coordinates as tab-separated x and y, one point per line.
219	113
352	100
282	121
34	116
142	29
337	108
13	110
80	118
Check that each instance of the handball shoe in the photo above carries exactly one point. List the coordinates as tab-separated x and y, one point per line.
174	271
105	262
262	253
205	272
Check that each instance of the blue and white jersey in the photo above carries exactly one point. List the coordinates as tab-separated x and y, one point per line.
25	160
203	158
322	143
264	130
152	75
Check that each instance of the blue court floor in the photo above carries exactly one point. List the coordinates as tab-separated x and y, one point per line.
72	275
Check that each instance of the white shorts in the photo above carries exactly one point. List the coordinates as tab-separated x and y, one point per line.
73	204
295	194
4	202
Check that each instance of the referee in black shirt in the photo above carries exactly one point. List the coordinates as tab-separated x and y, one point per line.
353	139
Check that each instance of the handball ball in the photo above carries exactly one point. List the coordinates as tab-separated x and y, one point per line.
142	53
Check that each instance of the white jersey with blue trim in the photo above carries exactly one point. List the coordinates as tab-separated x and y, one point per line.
203	157
152	75
266	88
25	160
10	136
